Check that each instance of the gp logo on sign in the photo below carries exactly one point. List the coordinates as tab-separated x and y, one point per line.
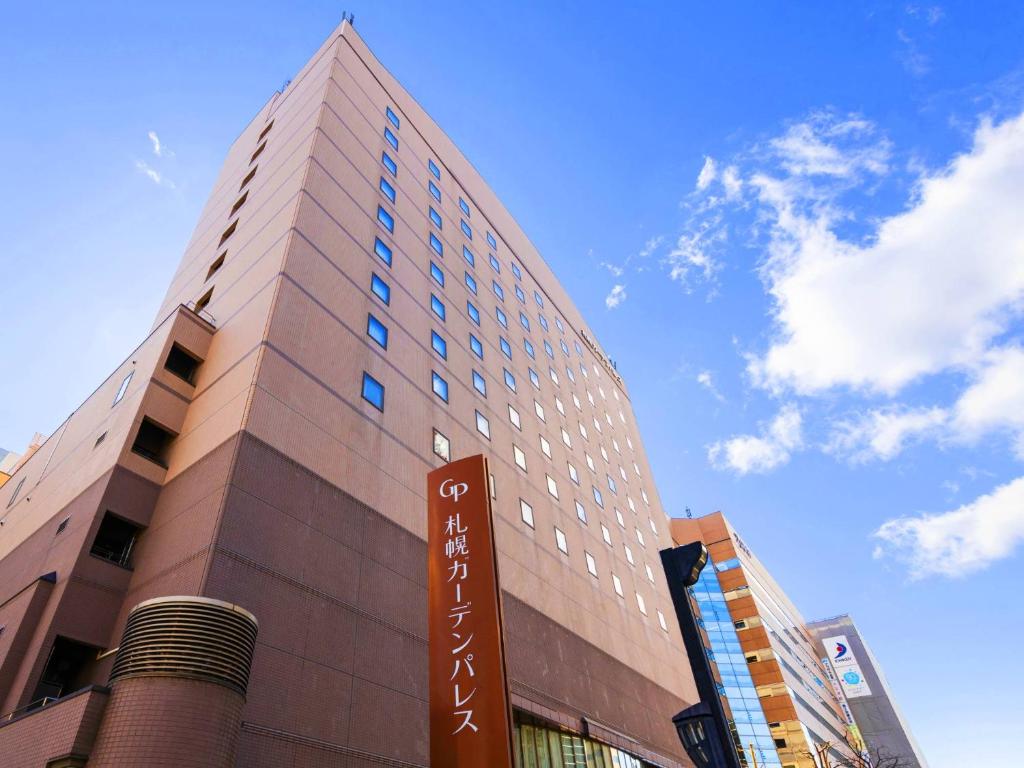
452	490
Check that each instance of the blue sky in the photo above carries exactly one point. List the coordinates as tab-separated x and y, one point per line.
795	226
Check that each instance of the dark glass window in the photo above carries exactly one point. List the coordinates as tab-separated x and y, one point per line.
434	170
436	218
377	331
392	139
385	218
437	274
506	348
474	313
373	392
439	344
437	306
439	385
387	189
182	364
476	346
389	163
382	251
115	540
392	117
152	442
380	289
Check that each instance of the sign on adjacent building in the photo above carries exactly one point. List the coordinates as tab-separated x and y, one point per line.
851	678
470	716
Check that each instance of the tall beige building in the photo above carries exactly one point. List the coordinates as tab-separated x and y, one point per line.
355	308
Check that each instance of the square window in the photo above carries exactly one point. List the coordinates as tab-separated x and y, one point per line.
629	554
439	344
491	241
606	534
436	245
122	389
526	511
439	385
519	456
473	312
641	604
373	392
471	283
573	474
510	380
520	295
465	229
479	384
437	274
442	446
524	321
498	313
552	487
498	291
377	331
516	272
506	348
529	349
463	207
387	189
661	621
380	289
437	306
436	218
559	406
382	251
391	116
391	138
434	170
494	263
538	299
534	378
617	584
640	537
386	219
560	542
549	350
468	256
565	438
581	511
591	564
564	346
539	410
513	416
619	520
390	164
434	191
598	497
483	426
545	447
553	375
650	573
476	346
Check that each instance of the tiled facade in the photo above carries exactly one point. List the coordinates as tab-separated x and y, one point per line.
359	303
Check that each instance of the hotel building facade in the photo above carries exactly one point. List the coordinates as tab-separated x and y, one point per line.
354	309
798	708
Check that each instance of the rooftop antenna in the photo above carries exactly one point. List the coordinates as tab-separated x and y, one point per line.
689	514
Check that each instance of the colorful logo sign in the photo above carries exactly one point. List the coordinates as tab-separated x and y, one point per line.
840	651
851	679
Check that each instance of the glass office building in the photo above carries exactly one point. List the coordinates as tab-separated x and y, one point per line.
750	726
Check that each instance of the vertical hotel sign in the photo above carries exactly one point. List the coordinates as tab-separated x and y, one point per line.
470	717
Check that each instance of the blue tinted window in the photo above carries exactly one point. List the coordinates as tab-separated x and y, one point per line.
386	219
491	241
437	274
377	331
470	283
510	380
543	321
529	349
437	306
439	385
463	207
558	324
382	251
476	346
564	346
534	378
524	321
381	289
434	191
498	291
598	497
373	392
465	229
389	163
506	348
435	243
579	349
501	317
387	189
549	350
516	272
468	256
479	384
474	313
392	116
538	299
439	344
436	218
494	263
520	295
434	170
392	139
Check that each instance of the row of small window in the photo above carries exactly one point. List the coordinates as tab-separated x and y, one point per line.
562	544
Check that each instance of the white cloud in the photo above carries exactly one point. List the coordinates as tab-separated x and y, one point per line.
707	174
883	433
616	297
155	176
995	399
761	453
732	182
694	253
961	541
155	140
813	147
706	380
932	289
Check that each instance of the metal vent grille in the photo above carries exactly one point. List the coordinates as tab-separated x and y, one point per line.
188	637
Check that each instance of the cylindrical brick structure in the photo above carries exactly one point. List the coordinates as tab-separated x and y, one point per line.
178	686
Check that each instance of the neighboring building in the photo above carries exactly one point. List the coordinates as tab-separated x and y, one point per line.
802	711
7	461
355	308
884	729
